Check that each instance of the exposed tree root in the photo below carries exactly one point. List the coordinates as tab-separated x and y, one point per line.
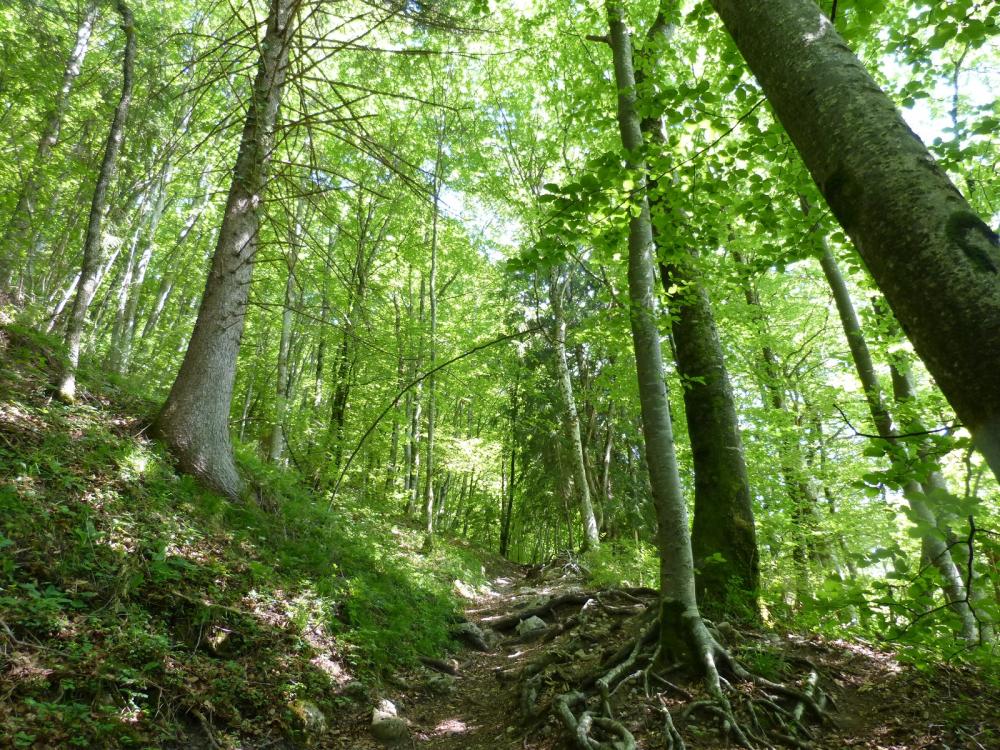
756	713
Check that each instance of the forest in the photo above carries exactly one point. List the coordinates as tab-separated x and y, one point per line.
596	374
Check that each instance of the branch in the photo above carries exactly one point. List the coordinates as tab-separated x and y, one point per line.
920	433
417	381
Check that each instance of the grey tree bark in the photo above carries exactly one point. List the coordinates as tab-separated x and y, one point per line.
277	439
194	421
682	631
723	509
507	507
392	470
934	259
17	233
92	250
914	491
432	342
571	418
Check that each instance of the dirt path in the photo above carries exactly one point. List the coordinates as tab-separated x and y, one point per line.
881	705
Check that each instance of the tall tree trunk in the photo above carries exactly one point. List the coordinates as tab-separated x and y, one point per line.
432	344
195	419
87	285
324	319
723	509
17	233
571	418
393	467
682	631
935	260
277	440
507	501
937	549
122	294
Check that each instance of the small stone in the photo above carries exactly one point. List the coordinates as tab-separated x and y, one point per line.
391	731
308	716
386	726
533	624
471	634
442	684
384	710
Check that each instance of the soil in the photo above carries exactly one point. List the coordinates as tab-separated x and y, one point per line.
878	702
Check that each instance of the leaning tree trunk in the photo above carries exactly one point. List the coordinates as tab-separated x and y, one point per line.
194	421
87	285
937	549
18	229
934	259
571	418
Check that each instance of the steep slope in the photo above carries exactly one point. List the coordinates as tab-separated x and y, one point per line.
138	610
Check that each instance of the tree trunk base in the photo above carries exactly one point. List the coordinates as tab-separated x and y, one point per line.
760	715
212	464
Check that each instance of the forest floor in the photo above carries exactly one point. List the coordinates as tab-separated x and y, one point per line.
137	611
880	703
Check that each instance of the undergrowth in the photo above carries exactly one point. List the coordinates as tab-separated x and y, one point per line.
137	609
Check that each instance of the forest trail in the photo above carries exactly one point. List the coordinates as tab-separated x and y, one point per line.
880	703
79	472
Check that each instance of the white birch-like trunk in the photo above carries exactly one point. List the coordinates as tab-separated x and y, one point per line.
18	230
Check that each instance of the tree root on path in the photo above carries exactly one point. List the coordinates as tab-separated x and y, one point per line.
755	713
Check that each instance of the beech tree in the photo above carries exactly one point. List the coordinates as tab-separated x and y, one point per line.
723	537
17	231
934	258
86	284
